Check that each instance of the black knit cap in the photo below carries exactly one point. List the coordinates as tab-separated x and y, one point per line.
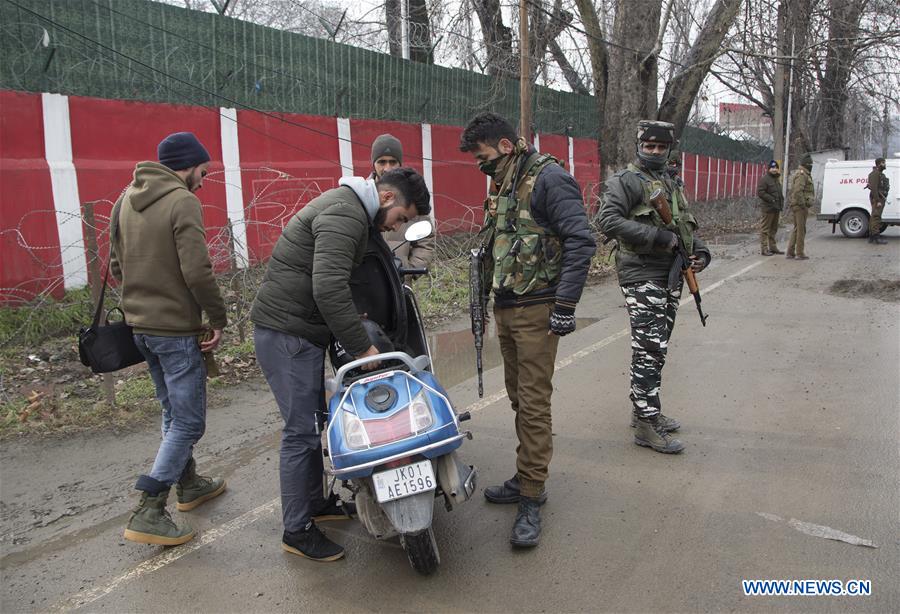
387	145
181	150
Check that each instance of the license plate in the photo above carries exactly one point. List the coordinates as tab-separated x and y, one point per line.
404	481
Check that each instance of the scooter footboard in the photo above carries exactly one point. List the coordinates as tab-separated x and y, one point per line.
410	514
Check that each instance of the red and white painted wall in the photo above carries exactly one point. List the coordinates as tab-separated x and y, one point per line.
59	152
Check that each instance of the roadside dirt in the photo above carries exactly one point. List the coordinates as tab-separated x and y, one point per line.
882	289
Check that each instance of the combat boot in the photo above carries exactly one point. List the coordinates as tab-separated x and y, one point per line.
150	523
877	240
650	435
193	489
508	492
669	425
775	250
526	531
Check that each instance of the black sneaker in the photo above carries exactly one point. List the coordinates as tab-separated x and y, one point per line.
311	543
334	508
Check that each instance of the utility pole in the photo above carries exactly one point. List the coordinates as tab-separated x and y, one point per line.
524	74
404	28
778	92
787	135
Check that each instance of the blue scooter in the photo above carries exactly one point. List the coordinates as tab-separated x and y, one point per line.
392	433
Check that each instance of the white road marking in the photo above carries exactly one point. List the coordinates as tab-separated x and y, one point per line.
818	530
170	556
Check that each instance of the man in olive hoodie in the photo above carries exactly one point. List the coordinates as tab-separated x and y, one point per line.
303	301
160	257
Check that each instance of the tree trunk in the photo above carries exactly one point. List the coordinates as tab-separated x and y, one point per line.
843	38
599	64
419	33
634	71
497	39
394	17
569	72
681	91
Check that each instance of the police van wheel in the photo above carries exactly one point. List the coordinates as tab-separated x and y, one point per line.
855	224
422	551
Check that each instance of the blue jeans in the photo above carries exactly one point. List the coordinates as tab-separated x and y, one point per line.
179	374
294	369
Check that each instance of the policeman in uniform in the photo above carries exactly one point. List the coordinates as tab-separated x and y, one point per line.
538	249
771	202
801	196
648	272
878	187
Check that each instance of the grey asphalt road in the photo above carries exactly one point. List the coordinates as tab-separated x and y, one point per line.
791	412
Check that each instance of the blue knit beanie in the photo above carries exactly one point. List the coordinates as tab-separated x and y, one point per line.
181	150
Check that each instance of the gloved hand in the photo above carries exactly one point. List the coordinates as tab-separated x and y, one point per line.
665	238
562	320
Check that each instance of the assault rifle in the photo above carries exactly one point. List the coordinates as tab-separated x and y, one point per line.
477	302
682	258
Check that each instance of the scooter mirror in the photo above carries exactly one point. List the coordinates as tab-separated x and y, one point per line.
418	230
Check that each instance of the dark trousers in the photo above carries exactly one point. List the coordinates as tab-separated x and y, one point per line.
877	205
529	355
651	310
294	369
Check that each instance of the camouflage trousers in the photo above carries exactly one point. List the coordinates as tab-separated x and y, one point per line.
651	309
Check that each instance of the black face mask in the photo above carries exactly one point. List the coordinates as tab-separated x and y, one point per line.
489	167
653	162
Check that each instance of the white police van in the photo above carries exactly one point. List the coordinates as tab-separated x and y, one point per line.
845	199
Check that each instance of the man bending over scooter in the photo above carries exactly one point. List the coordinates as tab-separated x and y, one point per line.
304	300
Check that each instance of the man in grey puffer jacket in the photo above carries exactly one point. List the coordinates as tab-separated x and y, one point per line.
644	264
304	299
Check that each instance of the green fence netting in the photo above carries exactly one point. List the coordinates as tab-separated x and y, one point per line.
141	50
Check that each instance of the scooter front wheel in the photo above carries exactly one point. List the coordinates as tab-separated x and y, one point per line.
422	551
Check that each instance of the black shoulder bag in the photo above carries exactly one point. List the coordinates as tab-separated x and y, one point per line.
109	347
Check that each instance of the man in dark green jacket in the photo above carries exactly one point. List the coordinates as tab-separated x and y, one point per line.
771	202
648	272
159	255
304	300
878	186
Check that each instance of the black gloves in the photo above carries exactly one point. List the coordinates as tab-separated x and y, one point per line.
562	319
665	238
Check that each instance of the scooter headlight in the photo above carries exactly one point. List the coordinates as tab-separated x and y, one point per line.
354	432
420	414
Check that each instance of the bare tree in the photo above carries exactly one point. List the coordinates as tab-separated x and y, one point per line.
682	88
497	38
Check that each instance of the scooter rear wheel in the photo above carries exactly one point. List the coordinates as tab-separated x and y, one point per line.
422	551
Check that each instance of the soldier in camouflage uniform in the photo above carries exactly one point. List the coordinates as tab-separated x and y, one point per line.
645	258
538	248
878	187
801	196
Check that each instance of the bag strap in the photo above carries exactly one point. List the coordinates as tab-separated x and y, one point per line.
113	229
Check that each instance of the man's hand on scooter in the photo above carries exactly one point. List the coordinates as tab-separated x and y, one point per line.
372	351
